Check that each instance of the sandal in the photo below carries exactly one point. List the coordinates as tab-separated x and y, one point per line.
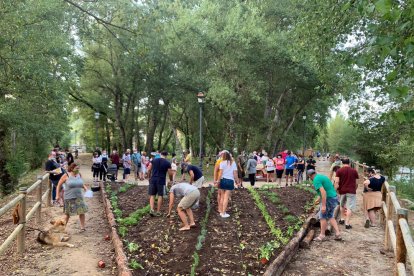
319	239
82	230
193	225
338	237
367	223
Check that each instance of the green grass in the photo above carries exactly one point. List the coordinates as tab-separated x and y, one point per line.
405	189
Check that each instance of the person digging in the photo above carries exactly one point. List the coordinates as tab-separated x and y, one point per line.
328	203
190	197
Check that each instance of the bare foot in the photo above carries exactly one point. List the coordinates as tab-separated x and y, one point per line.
185	228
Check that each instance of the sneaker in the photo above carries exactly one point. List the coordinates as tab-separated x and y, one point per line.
348	226
152	213
158	214
341	221
225	215
367	223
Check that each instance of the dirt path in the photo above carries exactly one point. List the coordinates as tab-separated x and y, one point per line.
359	253
81	260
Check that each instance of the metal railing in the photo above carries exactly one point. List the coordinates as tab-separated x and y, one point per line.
397	237
20	200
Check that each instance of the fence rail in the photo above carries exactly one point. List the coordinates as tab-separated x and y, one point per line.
397	237
20	230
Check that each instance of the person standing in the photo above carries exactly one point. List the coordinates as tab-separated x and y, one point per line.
300	166
310	165
270	170
228	177
158	170
143	168
96	166
174	165
251	169
280	165
52	167
196	175
290	162
241	162
190	196
372	196
115	160
136	162
345	180
328	203
74	203
69	157
126	163
104	166
336	163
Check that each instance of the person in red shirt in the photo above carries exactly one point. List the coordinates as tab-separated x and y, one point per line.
345	182
115	160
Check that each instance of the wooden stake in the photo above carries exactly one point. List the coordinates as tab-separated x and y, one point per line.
22	211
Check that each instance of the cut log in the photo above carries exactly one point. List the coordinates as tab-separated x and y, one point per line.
279	264
329	229
305	243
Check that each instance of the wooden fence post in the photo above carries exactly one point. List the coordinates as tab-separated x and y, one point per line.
401	249
39	199
49	195
390	208
22	220
383	217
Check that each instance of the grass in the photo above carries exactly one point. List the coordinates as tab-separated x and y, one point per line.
405	189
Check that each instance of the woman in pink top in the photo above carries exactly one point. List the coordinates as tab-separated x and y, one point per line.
280	166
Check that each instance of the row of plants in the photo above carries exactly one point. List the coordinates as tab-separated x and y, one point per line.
266	251
203	233
124	223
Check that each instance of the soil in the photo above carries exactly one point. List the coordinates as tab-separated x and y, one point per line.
231	246
164	250
46	260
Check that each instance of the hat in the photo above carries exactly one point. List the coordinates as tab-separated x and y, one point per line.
310	172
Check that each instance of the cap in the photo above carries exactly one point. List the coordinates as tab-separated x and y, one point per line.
310	172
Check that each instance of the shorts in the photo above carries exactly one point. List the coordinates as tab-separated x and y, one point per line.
331	203
189	200
127	171
279	173
348	201
271	171
156	189
227	184
199	182
289	172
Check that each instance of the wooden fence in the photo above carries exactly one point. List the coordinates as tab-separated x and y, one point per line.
20	231
397	236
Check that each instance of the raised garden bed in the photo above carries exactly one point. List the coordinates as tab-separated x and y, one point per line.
244	244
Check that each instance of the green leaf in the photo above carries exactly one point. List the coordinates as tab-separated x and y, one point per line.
383	6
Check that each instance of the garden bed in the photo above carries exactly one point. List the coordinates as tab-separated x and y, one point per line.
253	236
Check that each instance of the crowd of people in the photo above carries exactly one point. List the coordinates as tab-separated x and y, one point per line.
229	172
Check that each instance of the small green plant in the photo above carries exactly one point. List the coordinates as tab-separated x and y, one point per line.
135	265
284	209
242	246
122	231
266	251
290	219
132	247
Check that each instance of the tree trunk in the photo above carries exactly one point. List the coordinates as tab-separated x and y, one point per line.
162	128
276	118
108	137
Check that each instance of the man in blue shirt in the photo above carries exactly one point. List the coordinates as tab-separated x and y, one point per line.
136	162
289	167
159	170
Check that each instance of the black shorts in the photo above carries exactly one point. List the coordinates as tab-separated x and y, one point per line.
270	171
279	173
289	172
156	189
127	171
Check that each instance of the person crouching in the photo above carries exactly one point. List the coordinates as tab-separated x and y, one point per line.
190	197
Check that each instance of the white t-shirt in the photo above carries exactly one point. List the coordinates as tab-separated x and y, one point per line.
270	165
228	169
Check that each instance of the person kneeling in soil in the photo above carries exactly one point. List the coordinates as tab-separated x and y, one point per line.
329	201
191	196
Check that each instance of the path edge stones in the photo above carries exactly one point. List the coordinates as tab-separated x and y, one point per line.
120	259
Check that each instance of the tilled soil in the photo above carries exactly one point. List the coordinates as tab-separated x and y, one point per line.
163	249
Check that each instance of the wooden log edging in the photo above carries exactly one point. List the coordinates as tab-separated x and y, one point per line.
120	257
279	264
